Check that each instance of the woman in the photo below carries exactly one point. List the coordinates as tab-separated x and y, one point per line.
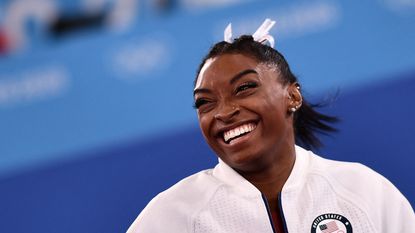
251	113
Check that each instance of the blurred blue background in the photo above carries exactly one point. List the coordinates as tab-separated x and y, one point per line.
96	97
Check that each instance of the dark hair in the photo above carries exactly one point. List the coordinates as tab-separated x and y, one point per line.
307	121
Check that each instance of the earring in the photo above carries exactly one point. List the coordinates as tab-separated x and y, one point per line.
293	110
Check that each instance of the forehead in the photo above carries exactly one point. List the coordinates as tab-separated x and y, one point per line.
222	68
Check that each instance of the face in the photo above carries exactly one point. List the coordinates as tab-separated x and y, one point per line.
243	111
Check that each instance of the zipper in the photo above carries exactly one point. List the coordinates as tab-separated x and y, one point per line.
284	224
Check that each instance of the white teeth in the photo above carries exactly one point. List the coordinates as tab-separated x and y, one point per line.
230	134
246	128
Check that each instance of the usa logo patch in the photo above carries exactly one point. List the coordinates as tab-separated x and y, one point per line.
331	223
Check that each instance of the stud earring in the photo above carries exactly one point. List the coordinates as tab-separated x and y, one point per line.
293	110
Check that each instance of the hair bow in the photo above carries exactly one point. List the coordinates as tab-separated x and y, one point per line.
261	35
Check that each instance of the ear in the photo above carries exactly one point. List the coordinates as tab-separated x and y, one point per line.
295	97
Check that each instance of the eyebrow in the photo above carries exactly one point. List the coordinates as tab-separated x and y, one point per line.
241	74
201	90
233	80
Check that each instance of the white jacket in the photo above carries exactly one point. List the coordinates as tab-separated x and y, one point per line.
320	195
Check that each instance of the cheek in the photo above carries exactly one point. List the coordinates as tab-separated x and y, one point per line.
204	124
270	107
273	112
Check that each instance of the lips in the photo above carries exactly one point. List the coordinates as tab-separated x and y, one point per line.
238	131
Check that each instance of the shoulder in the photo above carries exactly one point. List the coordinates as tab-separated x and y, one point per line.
176	205
367	190
347	174
190	191
354	177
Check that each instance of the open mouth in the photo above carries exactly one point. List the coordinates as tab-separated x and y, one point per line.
230	135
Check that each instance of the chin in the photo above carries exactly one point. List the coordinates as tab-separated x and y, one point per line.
243	161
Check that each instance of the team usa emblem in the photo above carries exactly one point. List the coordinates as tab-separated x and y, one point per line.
331	223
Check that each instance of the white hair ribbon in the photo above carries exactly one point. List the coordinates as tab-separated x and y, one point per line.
261	35
227	34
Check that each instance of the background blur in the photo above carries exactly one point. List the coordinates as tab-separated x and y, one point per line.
96	97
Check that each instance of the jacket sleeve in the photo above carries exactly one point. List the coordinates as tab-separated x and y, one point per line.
146	222
397	214
389	210
160	215
164	213
384	205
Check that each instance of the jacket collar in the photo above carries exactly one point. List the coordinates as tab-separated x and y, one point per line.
226	174
297	176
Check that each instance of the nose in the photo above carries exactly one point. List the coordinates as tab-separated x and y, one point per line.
227	112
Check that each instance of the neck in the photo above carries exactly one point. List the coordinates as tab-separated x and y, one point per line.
271	178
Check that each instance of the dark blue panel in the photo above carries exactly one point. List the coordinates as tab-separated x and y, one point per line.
101	194
377	129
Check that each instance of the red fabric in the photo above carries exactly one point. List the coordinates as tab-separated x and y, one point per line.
3	43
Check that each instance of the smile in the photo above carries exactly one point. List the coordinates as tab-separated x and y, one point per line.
239	131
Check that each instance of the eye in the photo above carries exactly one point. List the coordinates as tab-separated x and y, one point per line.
199	102
246	86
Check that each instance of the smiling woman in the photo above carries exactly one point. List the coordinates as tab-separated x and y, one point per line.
252	114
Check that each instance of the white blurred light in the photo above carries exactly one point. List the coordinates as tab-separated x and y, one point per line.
33	85
399	5
123	14
136	59
19	11
94	6
202	4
